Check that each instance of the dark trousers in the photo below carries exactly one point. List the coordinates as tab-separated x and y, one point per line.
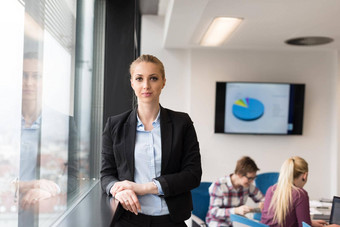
129	219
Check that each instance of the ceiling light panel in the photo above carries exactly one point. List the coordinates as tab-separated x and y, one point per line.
219	30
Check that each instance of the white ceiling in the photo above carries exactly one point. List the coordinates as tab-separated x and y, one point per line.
266	25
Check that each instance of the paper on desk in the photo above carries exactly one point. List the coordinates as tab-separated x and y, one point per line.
318	204
313	211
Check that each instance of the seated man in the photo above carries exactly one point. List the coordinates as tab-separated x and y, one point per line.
229	194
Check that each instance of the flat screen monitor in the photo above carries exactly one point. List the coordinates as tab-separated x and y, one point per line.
259	108
335	213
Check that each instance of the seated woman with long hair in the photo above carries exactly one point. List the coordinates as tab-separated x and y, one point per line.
287	203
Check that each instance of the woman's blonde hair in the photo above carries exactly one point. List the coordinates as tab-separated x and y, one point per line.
148	58
281	202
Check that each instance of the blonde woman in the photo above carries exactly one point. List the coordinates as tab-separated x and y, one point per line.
150	156
287	203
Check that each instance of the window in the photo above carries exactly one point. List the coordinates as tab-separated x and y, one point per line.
50	97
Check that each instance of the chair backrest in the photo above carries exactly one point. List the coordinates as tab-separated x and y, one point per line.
304	224
200	200
246	221
264	180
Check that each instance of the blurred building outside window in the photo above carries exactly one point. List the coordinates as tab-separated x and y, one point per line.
46	117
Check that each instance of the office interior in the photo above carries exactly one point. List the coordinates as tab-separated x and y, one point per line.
86	47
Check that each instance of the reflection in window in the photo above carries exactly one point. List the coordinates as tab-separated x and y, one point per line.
45	117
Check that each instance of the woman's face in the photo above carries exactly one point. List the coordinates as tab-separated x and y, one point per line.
32	82
147	82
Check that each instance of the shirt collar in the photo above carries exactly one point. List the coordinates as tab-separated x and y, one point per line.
155	123
230	184
35	125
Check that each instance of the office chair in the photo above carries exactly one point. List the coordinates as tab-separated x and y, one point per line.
263	181
200	201
246	221
304	224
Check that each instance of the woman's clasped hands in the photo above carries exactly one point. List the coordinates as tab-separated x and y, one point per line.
126	193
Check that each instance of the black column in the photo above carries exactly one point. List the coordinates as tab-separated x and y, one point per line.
121	48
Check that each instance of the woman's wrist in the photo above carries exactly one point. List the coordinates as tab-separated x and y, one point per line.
148	188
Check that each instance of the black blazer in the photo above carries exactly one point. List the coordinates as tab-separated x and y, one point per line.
181	161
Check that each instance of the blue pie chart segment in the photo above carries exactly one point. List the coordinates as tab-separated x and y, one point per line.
248	109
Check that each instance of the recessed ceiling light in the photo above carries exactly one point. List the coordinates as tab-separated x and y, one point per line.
219	30
309	41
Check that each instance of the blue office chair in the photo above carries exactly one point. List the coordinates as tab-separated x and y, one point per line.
263	181
246	221
304	224
200	201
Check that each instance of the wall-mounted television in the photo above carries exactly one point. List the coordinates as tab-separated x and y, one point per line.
259	108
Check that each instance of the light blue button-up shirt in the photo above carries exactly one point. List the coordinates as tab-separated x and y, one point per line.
29	150
148	158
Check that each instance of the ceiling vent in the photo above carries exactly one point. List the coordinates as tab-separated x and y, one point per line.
309	41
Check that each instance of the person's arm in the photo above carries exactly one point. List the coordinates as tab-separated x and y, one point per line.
42	184
255	194
184	146
123	191
319	223
109	168
139	189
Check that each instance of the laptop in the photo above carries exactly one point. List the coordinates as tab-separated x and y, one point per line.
335	212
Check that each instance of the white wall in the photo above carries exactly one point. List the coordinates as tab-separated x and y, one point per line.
191	78
336	144
220	151
176	93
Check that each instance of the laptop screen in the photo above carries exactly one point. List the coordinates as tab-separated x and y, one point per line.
335	213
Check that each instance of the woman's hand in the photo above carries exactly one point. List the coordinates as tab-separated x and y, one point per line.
47	185
42	184
318	223
129	200
33	196
121	186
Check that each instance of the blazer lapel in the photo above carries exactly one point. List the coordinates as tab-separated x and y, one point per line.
166	136
130	139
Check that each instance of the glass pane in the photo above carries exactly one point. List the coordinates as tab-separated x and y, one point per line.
45	117
11	46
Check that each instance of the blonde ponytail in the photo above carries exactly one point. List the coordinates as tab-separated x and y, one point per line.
282	199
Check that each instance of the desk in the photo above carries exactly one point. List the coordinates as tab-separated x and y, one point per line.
320	210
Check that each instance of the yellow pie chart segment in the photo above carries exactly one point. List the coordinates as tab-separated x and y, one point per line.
241	102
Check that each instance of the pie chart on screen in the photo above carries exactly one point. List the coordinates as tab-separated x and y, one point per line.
248	109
